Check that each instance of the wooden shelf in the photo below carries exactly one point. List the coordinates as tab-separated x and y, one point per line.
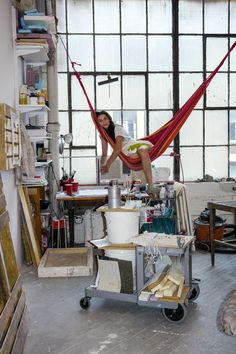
26	108
41	164
33	53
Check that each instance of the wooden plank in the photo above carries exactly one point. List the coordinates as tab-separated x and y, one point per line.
25	239
9	255
180	289
18	345
12	330
4	287
4	219
2	203
8	310
36	252
68	262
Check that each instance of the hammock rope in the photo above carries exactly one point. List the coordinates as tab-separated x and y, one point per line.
162	137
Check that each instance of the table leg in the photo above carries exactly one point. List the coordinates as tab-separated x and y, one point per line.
212	234
71	223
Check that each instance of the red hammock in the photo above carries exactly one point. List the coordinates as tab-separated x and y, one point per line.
161	138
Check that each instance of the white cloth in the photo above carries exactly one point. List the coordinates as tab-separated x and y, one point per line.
128	142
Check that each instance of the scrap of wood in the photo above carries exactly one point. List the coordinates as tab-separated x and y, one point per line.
180	288
167	285
159	294
175	275
35	251
171	290
159	286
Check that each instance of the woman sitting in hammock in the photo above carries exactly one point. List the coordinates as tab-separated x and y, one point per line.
123	143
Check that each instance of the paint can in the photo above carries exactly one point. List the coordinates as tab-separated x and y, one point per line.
114	195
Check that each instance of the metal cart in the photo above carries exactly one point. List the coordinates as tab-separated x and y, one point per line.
173	310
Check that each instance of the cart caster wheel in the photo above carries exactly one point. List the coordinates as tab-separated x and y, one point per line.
84	303
175	315
194	292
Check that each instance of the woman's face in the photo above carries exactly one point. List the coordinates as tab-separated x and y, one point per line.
104	121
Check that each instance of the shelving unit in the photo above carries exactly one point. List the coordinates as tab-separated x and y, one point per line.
28	108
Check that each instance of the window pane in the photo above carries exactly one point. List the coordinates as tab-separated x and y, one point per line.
232	90
232	17
133	92
106	16
188	84
81	51
217	92
216	16
134	123
219	154
192	131
83	129
62	92
61	15
64	123
108	95
232	126
133	16
165	160
160	91
190	16
157	119
190	53
160	16
213	56
104	45
232	57
61	55
86	169
78	98
160	53
65	161
216	127
192	161
80	18
134	53
232	161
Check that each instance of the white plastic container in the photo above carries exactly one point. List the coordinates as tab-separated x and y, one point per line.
122	226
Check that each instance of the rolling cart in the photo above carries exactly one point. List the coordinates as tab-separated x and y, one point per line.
173	309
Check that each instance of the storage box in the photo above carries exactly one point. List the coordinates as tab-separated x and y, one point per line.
10	143
66	262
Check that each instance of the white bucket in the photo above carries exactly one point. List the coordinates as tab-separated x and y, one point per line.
122	226
127	255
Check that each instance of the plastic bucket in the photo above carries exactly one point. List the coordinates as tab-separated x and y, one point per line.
203	231
122	226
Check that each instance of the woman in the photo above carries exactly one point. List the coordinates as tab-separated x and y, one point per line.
124	143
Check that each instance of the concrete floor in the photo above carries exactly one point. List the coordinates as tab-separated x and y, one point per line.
58	324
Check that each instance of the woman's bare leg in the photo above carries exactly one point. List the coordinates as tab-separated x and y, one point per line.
146	164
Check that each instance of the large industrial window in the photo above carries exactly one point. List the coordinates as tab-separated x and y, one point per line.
160	51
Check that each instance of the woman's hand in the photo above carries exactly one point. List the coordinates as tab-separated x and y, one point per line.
104	169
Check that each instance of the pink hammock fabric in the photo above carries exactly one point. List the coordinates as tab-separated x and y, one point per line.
161	138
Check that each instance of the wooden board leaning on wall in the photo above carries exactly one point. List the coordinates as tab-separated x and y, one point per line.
13	312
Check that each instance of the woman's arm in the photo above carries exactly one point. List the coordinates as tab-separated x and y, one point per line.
104	152
117	149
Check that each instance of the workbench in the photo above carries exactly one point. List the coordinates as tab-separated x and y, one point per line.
229	206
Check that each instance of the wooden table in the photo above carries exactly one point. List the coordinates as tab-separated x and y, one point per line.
90	197
229	206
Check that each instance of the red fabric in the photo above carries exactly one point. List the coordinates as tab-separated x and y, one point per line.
162	138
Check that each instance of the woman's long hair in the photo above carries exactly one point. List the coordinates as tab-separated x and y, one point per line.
111	129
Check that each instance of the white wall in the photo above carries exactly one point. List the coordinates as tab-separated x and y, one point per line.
7	95
200	193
